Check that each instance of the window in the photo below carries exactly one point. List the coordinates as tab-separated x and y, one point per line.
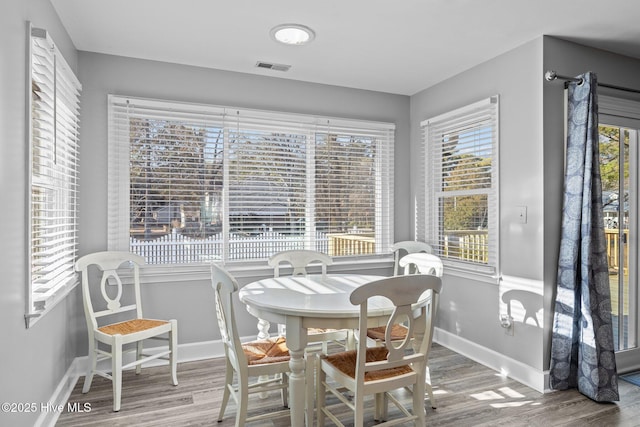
53	175
458	213
190	183
619	139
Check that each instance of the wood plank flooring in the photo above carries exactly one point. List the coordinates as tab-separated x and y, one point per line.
467	394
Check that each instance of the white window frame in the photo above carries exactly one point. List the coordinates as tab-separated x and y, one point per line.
428	222
52	175
118	180
616	111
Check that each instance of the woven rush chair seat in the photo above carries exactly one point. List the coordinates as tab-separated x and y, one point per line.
131	326
346	362
260	352
398	332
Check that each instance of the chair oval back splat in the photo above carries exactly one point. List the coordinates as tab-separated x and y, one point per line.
422	263
299	260
405	247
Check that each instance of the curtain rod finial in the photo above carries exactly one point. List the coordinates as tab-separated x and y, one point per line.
550	75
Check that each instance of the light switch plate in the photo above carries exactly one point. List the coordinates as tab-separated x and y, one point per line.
522	214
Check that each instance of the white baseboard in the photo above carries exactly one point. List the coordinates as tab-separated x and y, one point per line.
190	352
60	397
525	374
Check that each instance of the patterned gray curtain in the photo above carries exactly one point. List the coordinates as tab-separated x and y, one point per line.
582	351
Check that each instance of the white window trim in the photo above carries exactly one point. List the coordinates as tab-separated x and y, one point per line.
619	111
118	227
625	113
39	302
427	210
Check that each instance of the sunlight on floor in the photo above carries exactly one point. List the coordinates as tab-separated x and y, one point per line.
510	392
487	395
510	404
500	394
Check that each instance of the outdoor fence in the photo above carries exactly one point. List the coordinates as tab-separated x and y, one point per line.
612	237
175	248
469	246
351	244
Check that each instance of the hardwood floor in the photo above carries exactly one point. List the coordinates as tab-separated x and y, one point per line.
467	394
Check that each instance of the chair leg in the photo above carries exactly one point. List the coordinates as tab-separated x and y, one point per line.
429	389
384	410
139	349
381	407
228	382
378	407
350	343
358	410
284	392
173	357
91	365
321	377
310	388
243	401
116	371
418	403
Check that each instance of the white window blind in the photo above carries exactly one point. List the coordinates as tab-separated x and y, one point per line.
54	98
458	212
193	183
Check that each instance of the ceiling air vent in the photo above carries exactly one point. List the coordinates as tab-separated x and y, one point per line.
271	66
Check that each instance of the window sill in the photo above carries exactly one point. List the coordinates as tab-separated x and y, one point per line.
458	270
48	302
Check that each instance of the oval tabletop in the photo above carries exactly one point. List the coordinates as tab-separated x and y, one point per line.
312	295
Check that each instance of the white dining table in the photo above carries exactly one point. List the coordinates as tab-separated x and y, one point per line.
312	301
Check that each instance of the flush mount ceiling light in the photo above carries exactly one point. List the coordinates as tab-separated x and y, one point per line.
292	34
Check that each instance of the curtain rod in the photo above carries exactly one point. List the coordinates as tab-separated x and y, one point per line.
552	75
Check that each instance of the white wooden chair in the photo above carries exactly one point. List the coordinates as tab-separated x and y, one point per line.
300	260
422	263
378	370
413	263
405	247
262	358
117	335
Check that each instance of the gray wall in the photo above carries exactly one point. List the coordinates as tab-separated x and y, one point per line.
191	303
470	309
32	361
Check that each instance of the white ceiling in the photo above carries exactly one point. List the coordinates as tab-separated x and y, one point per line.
400	46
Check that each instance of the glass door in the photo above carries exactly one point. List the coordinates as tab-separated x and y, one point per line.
618	167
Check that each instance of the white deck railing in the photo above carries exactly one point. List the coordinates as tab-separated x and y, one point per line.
175	248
